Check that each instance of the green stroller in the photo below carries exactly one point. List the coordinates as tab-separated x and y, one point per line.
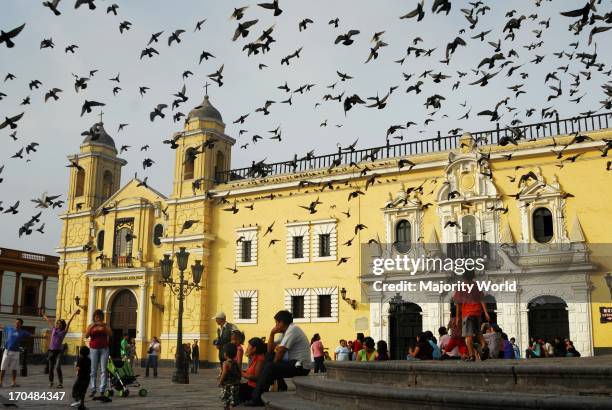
121	377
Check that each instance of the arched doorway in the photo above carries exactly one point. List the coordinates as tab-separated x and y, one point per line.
405	323
122	318
548	318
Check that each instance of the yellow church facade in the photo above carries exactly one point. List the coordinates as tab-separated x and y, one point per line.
298	235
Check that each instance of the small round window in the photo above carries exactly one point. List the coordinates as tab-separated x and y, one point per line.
542	225
158	232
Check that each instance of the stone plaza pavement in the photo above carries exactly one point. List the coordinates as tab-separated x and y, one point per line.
201	393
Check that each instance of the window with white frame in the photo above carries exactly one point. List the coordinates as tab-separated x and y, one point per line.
325	305
298	246
297	301
324	240
245	306
246	246
312	304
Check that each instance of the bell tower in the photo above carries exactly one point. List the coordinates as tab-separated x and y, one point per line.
203	153
96	171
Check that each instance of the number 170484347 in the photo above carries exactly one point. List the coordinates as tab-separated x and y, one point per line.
36	395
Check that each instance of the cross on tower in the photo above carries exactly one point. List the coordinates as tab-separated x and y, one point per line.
101	115
206	88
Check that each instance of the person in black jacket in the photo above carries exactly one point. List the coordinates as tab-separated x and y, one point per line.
195	356
83	371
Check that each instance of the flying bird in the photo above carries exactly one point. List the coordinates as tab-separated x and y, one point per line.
11	122
90	3
87	106
157	112
53	6
175	36
418	12
346	38
272	6
243	29
7	37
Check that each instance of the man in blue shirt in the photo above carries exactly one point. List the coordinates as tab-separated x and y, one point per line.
10	358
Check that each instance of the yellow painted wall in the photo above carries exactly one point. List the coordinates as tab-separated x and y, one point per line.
215	235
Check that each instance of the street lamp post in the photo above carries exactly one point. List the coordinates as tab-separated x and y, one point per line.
181	289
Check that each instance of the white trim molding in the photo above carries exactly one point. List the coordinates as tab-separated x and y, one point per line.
314	303
253	295
200	237
311	304
70	249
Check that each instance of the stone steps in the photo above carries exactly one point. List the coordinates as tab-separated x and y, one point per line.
563	383
563	375
291	401
345	395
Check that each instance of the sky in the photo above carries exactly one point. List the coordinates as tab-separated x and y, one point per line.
57	125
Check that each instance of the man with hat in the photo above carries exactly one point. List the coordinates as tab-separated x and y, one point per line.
224	333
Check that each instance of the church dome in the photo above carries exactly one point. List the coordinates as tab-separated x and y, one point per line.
205	111
100	136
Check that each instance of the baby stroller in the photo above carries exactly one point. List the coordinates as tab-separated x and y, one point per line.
121	376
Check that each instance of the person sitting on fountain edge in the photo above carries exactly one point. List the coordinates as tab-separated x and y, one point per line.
290	358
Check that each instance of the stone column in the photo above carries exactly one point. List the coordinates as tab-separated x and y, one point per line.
43	297
91	302
375	320
384	325
142	313
523	331
16	296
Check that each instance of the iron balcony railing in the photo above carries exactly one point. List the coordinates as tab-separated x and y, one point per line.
539	130
468	250
38	344
118	262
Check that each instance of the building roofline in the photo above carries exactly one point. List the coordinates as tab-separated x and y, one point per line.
535	131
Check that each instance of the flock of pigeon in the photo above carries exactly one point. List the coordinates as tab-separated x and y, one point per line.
507	65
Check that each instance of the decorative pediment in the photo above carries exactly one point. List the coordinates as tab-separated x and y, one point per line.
538	187
540	194
402	201
131	194
468	175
